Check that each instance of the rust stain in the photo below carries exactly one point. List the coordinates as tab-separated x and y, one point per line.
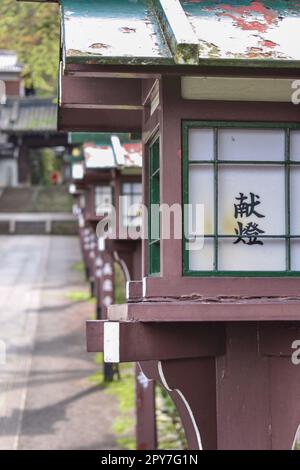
255	52
127	30
99	45
244	16
268	43
73	52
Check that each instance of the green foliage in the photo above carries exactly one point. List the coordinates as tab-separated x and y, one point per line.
80	296
124	391
120	297
48	164
171	435
78	267
32	30
50	199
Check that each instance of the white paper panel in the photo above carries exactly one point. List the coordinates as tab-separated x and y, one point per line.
295	146
201	191
295	200
295	255
132	188
103	198
201	256
267	182
131	206
271	256
201	144
251	144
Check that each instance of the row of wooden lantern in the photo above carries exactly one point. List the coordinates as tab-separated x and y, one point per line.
100	255
209	86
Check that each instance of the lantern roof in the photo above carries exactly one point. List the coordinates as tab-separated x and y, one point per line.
115	153
188	32
98	156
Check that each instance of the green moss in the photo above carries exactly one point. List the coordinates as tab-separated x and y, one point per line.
52	199
78	267
120	296
67	228
79	296
187	54
124	391
170	431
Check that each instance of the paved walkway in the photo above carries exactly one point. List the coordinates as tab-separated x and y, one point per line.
47	400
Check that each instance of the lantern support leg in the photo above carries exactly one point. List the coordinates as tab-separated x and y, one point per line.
285	403
191	383
146	436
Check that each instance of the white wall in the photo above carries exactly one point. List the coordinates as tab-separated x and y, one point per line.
8	172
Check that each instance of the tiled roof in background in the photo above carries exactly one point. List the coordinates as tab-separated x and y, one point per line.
31	114
9	62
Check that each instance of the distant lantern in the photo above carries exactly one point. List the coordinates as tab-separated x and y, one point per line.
107	270
98	273
107	285
107	301
77	171
99	262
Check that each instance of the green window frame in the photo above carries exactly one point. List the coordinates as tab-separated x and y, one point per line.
153	214
286	163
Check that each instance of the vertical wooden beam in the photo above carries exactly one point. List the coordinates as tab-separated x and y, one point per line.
146	435
170	164
24	170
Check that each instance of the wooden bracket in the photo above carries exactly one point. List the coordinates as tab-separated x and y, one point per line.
136	341
191	383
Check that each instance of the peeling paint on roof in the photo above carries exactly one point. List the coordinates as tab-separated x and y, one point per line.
99	156
238	29
133	154
104	156
118	31
149	32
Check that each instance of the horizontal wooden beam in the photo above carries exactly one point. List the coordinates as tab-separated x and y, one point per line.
95	335
241	89
99	120
217	289
131	341
101	93
207	311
